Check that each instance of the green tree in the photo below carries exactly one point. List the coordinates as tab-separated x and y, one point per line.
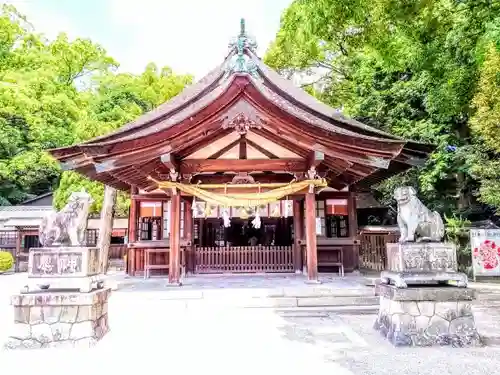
118	99
484	159
409	67
57	93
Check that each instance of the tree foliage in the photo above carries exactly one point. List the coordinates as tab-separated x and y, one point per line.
411	67
55	93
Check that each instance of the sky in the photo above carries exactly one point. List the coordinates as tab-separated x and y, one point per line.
190	36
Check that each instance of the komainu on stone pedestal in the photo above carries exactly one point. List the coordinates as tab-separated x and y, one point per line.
420	257
46	320
65	263
427	316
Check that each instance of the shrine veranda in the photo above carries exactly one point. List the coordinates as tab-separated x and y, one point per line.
242	172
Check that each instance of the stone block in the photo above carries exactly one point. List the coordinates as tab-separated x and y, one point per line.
64	268
427	316
47	320
418	263
422	257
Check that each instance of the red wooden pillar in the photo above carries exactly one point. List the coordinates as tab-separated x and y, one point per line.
188	220
353	226
132	231
175	233
188	235
311	245
132	216
298	226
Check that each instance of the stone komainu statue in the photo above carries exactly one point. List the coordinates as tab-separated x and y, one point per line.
416	222
68	226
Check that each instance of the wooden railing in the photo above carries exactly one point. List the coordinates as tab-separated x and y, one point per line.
244	259
372	252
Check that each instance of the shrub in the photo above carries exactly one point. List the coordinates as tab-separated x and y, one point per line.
6	261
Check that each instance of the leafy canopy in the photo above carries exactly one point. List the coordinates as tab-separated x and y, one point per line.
56	93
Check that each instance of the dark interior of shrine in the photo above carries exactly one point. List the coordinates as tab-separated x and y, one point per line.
241	232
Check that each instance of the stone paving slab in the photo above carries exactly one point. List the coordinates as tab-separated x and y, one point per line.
379	357
148	334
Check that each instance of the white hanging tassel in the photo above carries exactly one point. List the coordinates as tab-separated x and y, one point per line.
256	221
226	218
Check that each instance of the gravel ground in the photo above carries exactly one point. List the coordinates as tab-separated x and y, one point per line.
149	334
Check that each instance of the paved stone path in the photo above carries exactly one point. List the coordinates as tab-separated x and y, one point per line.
149	334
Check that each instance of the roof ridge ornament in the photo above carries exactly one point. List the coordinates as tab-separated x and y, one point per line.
242	63
243	40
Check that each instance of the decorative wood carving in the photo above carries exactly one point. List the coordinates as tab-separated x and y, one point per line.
242	178
241	123
173	174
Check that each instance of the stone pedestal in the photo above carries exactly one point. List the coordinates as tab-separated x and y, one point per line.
427	316
64	268
51	319
417	263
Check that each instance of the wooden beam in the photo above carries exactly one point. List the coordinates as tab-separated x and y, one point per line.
226	178
290	146
169	161
243	146
315	158
150	197
191	166
223	150
139	156
187	149
261	149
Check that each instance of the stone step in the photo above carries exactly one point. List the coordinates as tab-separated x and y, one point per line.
241	299
326	310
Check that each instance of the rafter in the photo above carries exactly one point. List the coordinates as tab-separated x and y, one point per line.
290	146
315	158
243	146
169	161
225	149
188	149
261	149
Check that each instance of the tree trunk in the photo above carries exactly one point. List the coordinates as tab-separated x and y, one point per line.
106	226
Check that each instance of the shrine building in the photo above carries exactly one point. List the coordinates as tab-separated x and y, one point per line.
242	172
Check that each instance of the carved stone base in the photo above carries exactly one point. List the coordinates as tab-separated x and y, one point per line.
80	284
403	279
427	316
64	268
416	263
46	320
